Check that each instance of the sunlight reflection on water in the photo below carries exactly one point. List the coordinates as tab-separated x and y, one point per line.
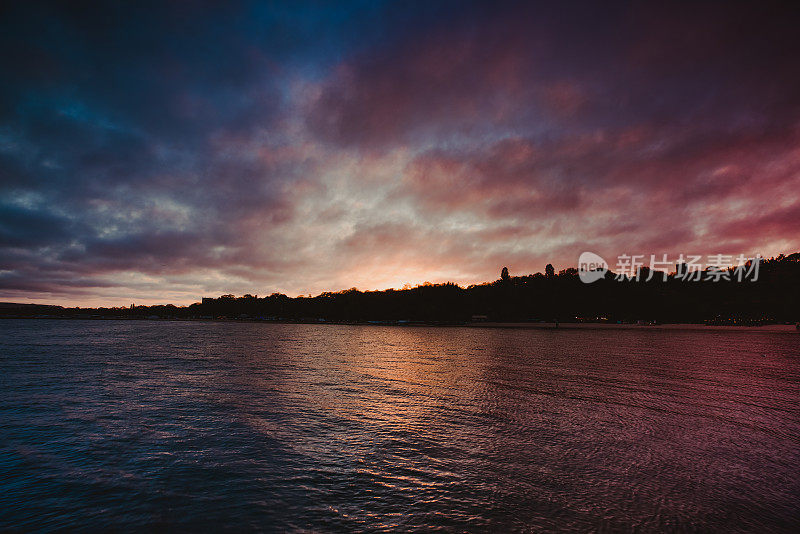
340	428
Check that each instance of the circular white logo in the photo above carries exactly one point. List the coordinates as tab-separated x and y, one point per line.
591	267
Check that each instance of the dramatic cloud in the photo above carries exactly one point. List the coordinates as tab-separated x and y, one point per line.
156	153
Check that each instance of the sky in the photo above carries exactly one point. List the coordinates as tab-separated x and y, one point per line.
158	152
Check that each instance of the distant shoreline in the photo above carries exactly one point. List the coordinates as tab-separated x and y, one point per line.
631	326
776	328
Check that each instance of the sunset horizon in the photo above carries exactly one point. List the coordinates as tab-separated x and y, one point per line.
629	269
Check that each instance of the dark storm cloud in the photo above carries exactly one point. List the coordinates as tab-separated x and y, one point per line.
684	117
599	64
25	227
177	148
113	123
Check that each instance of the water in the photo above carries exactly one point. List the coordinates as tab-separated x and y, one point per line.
237	426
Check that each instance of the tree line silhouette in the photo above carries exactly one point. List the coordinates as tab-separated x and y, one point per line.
549	296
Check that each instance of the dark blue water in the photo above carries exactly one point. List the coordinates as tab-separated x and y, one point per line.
228	426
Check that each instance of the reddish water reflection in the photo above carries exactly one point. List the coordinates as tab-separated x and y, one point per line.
202	425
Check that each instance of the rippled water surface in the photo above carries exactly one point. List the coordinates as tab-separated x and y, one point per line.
209	426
